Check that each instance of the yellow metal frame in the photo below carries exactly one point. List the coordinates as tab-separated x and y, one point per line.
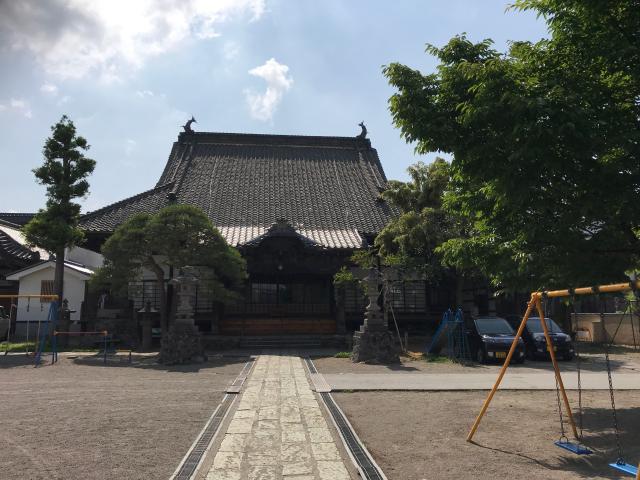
44	297
536	303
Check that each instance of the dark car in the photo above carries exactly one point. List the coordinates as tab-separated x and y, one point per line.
490	339
536	345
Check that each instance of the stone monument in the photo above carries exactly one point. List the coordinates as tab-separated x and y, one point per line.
182	343
374	342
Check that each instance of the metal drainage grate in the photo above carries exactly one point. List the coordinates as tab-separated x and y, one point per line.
368	468
192	460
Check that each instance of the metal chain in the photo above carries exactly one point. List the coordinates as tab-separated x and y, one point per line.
563	435
634	306
634	302
579	368
609	376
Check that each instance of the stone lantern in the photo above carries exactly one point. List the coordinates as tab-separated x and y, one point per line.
186	285
374	341
182	343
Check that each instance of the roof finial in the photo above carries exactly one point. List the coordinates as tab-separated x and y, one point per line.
363	133
187	126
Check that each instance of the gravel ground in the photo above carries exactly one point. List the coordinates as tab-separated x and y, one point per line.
79	419
421	435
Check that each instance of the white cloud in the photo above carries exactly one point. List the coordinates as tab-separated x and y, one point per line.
144	93
75	38
19	106
262	106
49	89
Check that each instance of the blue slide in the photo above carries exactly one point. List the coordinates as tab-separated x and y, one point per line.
439	339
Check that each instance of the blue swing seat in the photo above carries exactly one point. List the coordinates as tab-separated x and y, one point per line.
625	467
573	447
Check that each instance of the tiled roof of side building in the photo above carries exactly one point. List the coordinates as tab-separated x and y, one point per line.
13	244
247	180
16	218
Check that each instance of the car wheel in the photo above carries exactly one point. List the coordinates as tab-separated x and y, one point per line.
518	359
481	357
531	355
568	357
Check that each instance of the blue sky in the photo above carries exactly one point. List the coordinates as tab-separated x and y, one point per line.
129	73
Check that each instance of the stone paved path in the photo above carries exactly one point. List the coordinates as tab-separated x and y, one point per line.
278	431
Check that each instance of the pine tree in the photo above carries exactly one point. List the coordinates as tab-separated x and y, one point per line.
64	173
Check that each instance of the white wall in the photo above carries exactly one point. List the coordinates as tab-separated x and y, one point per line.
30	285
85	257
626	335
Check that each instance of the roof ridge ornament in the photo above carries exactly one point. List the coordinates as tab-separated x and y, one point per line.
187	126
363	133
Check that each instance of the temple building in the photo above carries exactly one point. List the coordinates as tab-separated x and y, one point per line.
295	206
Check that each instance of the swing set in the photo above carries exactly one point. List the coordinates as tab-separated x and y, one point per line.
40	336
538	303
52	333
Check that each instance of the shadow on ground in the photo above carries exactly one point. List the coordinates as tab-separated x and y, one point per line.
515	439
144	362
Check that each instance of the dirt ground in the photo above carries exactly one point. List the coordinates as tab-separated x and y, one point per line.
623	360
421	435
80	419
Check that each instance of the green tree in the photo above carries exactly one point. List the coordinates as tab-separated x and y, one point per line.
64	173
413	240
545	140
176	236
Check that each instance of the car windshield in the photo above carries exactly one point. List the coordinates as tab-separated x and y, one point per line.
534	325
493	326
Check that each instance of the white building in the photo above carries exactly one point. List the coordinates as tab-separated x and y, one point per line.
38	279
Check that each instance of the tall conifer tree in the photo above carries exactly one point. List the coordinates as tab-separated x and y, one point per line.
64	173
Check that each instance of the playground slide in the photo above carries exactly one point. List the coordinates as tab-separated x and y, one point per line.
439	339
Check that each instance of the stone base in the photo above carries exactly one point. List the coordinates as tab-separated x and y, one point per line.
379	347
181	345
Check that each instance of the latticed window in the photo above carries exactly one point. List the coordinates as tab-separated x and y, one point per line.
407	296
289	293
143	291
414	296
204	299
354	299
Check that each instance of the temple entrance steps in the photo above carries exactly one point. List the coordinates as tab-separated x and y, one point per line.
277	326
215	342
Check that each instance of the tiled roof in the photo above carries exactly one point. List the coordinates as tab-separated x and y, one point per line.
108	218
19	219
13	244
331	238
241	235
327	187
